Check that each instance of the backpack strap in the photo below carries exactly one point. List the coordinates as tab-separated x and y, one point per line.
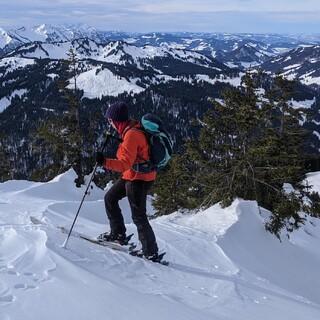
145	166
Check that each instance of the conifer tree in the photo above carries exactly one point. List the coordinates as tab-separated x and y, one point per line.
173	191
4	163
247	148
64	136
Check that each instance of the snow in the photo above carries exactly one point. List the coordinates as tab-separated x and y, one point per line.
233	81
223	264
231	65
288	188
290	75
27	34
317	134
310	80
279	50
287	59
202	46
12	64
260	92
5	39
97	83
279	263
305	104
49	50
276	60
248	65
6	101
306	45
293	66
314	181
43	32
53	76
117	52
314	60
131	40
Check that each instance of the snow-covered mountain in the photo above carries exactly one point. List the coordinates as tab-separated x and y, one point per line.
113	68
176	81
219	45
223	263
245	56
45	33
302	63
175	74
118	52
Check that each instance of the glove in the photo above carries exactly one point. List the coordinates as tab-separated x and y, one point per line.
100	158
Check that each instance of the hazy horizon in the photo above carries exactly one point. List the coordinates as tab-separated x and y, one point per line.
141	16
102	29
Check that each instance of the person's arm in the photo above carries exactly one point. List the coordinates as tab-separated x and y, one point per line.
127	156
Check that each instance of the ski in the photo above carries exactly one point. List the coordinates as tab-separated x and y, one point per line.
109	244
130	248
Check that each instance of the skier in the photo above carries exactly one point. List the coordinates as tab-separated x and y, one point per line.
135	185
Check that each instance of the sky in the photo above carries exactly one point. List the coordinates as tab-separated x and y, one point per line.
256	16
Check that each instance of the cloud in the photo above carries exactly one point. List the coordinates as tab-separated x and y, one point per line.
304	17
205	6
169	15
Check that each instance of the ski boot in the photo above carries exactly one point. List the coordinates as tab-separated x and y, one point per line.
119	238
154	257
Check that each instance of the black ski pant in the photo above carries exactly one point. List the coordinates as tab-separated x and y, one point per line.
136	191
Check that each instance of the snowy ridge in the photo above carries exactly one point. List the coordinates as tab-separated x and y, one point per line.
223	263
302	63
116	67
5	39
117	52
240	49
44	33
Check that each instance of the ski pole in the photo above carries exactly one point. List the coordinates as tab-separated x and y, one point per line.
85	193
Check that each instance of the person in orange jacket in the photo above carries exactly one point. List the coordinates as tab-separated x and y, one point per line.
135	185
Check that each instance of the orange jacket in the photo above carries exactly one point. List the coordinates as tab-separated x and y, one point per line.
133	149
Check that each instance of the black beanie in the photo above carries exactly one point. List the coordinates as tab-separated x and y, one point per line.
118	112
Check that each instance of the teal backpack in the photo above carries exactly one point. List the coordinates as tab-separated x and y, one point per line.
160	144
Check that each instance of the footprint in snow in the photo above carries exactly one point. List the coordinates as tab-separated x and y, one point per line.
24	286
6	297
13	273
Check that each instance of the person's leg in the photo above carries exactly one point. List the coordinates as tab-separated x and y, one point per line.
111	199
137	196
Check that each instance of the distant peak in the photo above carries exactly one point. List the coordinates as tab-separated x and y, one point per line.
42	29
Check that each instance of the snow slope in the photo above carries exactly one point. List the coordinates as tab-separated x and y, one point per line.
11	64
223	265
4	38
6	101
97	83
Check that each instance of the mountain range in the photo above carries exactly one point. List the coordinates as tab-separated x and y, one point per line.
175	75
257	46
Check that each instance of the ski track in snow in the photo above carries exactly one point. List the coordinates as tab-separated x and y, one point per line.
205	280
